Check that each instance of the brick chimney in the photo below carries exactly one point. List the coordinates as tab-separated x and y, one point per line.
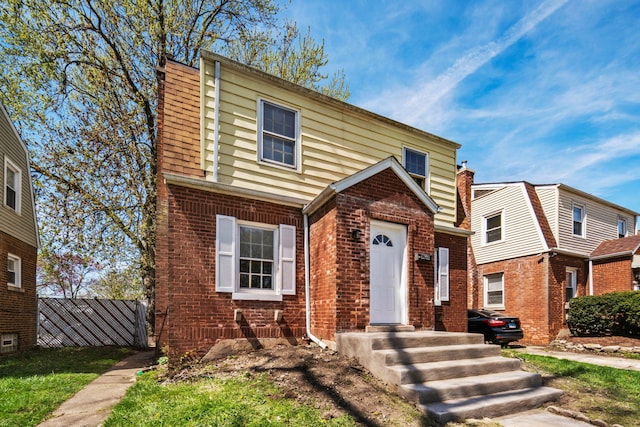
464	180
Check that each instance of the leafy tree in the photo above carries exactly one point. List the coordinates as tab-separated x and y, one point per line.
65	274
79	79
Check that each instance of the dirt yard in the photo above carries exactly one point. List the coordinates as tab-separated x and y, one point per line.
335	384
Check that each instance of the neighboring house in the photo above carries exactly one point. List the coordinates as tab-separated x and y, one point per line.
284	213
532	247
18	243
615	265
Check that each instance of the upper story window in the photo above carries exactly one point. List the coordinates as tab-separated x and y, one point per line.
622	227
417	164
12	185
493	228
578	220
14	271
278	134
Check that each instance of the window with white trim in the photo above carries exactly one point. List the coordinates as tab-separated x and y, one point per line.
571	285
417	164
255	261
492	228
622	227
494	290
578	220
14	271
278	134
12	185
441	262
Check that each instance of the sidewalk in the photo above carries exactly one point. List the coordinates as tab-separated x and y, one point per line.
92	405
594	359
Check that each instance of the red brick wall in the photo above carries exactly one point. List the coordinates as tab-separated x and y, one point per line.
454	311
340	265
196	315
323	271
18	313
534	289
612	275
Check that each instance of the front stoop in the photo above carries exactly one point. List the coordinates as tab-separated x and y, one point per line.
450	376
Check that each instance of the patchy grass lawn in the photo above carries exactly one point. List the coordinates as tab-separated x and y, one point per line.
35	383
599	392
248	400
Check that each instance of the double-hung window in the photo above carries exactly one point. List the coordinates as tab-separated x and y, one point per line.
442	275
578	220
12	185
494	290
571	287
493	228
622	228
14	276
255	261
278	135
417	164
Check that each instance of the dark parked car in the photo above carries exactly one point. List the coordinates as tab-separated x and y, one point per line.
496	327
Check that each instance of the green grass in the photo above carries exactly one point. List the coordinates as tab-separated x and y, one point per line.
600	392
241	401
35	383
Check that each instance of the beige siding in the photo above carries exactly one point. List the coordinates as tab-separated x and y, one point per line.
601	222
21	226
521	235
548	196
336	140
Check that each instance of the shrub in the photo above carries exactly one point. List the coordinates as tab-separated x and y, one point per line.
617	313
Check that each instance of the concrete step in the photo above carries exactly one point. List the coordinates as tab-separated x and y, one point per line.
425	372
457	388
409	356
493	405
382	341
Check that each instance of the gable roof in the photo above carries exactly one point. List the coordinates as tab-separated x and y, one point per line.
625	246
388	163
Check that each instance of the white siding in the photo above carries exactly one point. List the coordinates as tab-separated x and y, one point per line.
22	226
521	235
601	222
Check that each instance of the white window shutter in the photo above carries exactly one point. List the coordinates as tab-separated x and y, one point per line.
443	273
288	259
225	253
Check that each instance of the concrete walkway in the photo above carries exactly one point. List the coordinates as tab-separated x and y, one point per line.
93	404
594	359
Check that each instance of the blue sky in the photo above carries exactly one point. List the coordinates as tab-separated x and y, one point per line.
542	91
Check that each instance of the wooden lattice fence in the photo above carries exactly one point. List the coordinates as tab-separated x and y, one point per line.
91	322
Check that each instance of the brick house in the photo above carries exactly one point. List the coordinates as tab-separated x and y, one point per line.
18	243
283	214
534	247
615	265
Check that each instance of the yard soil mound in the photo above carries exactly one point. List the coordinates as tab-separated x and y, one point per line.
605	341
324	379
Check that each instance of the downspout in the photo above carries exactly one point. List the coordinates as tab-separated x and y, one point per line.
590	277
216	120
307	293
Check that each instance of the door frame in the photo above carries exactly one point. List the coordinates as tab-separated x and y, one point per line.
375	227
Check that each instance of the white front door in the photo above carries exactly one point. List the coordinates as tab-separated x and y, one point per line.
388	243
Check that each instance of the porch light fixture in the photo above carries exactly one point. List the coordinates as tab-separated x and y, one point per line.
355	234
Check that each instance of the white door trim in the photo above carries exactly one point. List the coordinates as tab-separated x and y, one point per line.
388	274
